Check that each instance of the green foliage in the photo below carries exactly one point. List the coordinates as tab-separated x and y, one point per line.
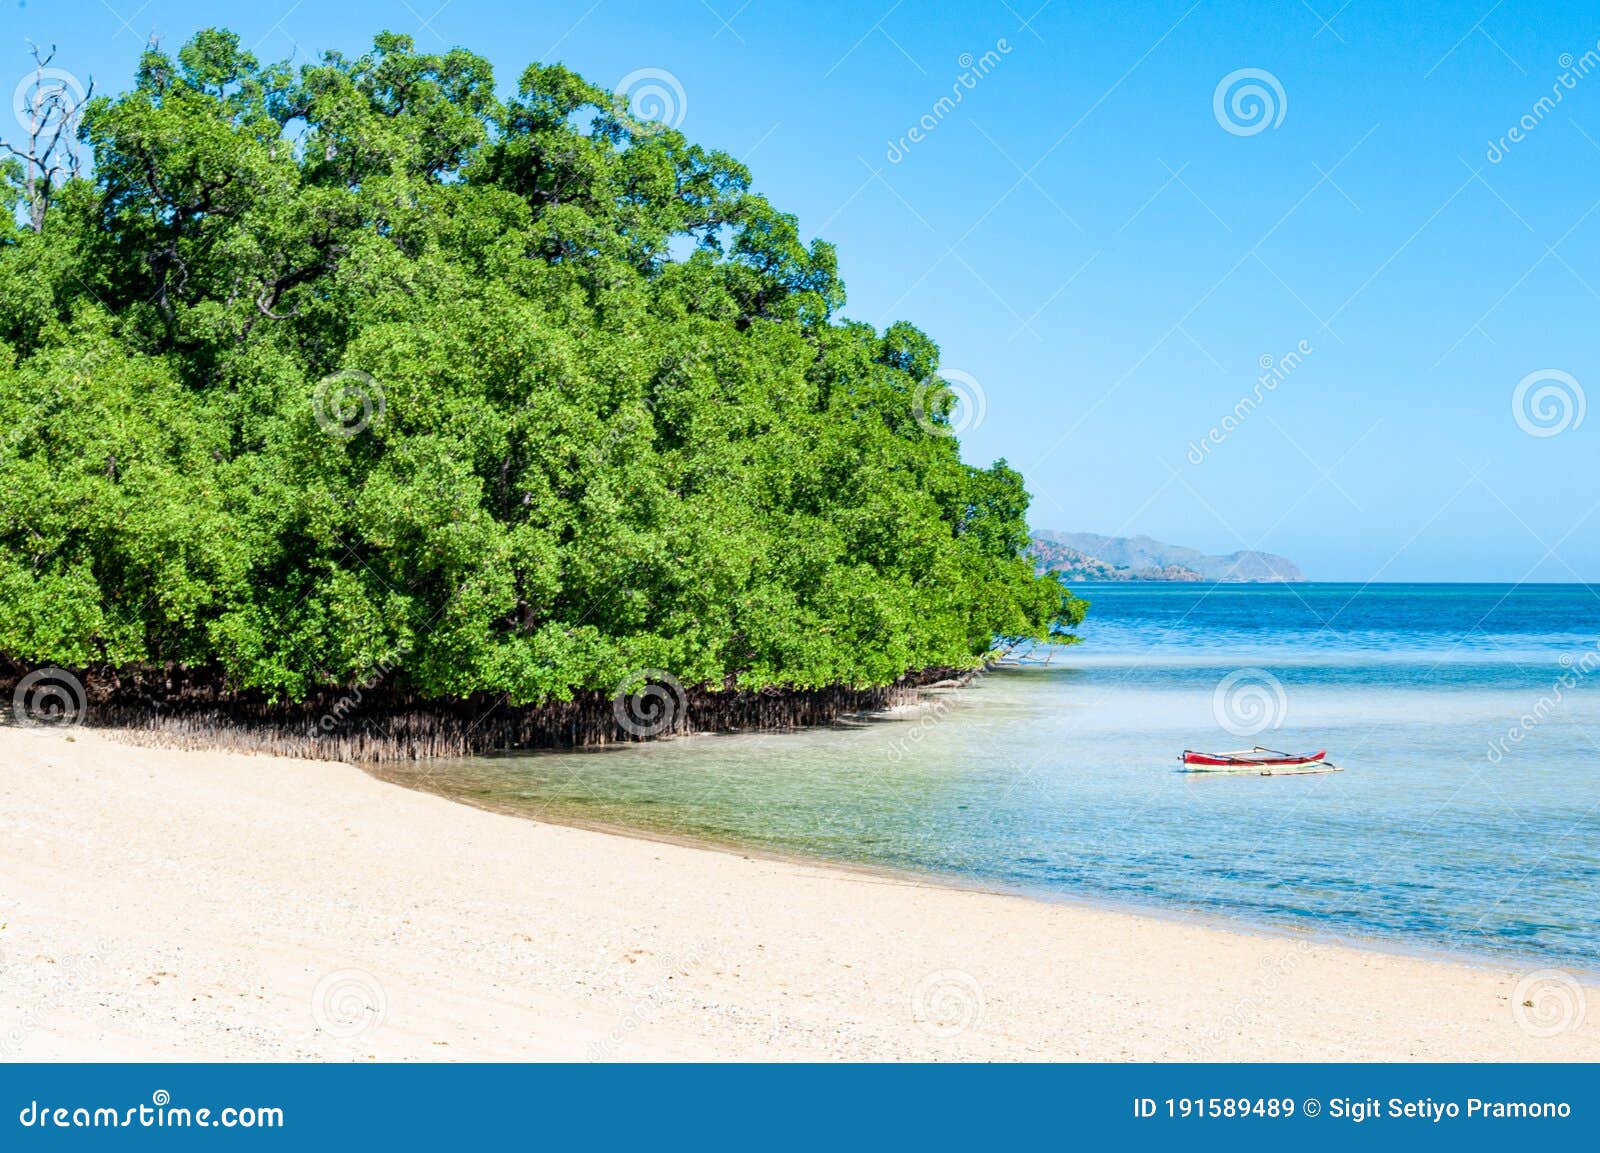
329	365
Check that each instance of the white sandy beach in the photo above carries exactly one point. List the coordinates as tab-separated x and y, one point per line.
170	905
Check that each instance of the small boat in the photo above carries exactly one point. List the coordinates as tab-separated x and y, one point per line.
1265	762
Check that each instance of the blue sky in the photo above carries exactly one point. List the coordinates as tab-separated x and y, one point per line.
1110	258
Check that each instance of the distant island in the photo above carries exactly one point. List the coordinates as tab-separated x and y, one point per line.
1087	556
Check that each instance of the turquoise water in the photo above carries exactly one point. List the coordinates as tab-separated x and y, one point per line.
1467	718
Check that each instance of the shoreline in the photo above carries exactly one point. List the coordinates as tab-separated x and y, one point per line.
374	722
169	905
1487	960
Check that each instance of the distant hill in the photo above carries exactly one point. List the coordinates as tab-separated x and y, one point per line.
1088	556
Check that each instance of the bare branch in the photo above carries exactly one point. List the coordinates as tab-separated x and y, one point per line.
49	153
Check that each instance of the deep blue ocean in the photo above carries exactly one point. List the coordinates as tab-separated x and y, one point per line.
1466	718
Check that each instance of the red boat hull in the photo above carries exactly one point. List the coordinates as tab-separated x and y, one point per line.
1252	760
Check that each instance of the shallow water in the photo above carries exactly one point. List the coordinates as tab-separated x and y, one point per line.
1467	718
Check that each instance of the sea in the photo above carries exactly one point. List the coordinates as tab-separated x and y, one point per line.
1465	719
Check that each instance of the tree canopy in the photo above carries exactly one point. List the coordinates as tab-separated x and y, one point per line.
320	364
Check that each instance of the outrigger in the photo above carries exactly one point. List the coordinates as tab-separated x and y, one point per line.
1264	762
